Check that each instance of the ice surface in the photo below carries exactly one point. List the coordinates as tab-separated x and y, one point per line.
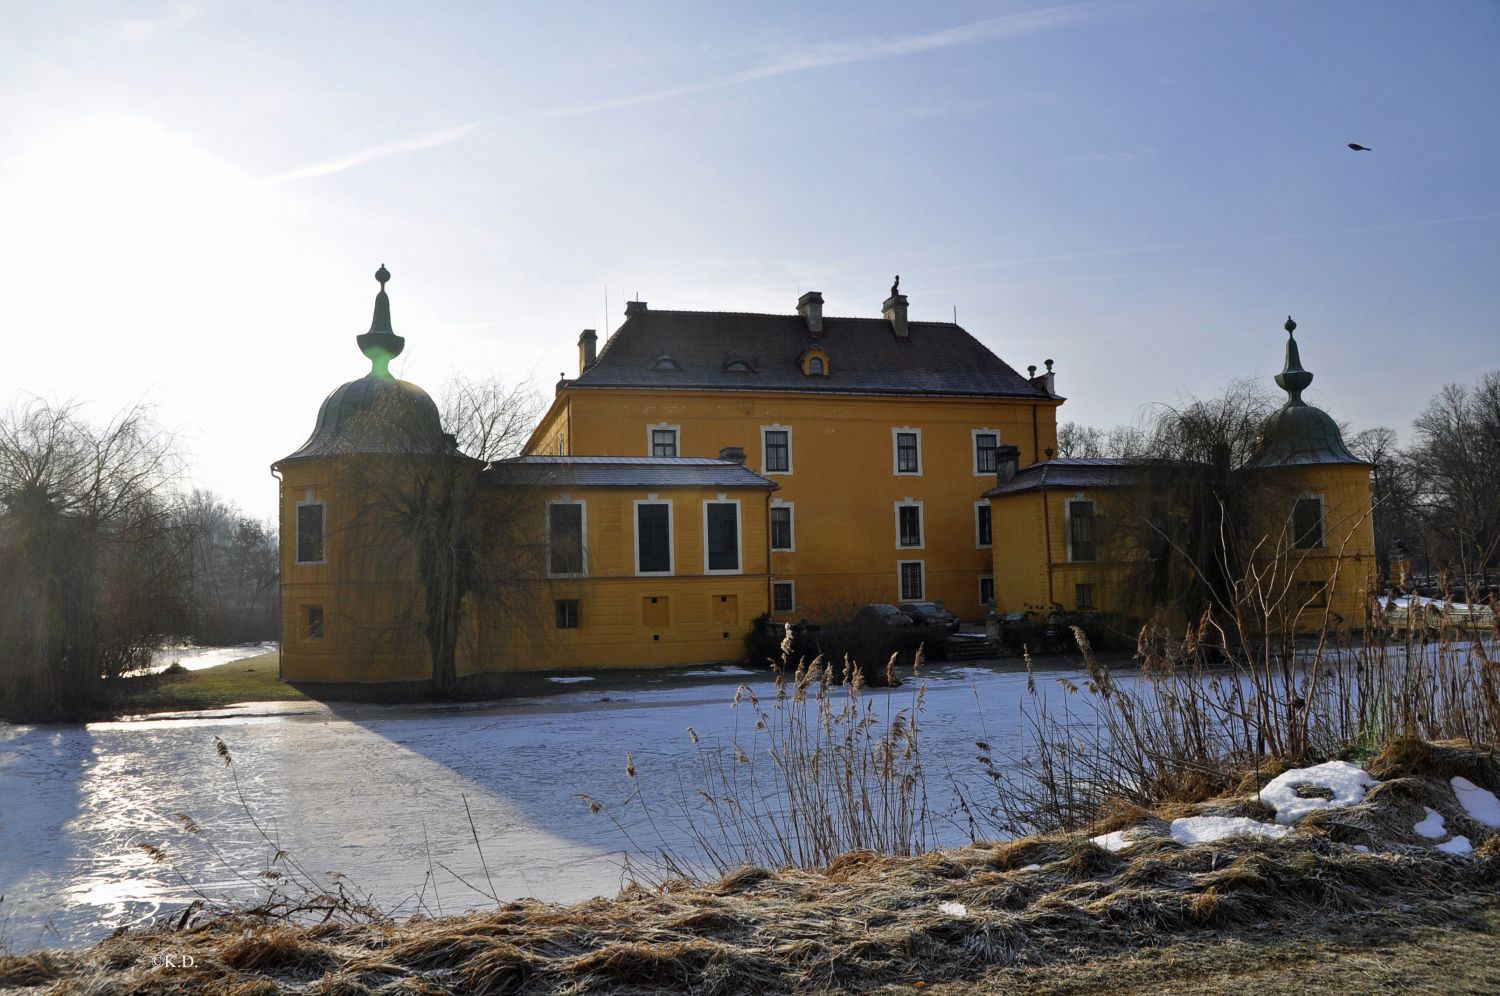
570	679
953	909
1479	803
1432	826
197	658
1347	782
1458	845
1202	829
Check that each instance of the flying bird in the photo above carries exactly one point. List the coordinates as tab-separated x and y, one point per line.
1359	148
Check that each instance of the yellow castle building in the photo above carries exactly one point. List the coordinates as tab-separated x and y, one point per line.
702	470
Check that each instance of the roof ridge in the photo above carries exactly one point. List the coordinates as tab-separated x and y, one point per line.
780	314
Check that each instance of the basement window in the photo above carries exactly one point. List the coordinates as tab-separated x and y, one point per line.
567	613
313	617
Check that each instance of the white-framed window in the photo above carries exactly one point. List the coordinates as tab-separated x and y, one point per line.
1083	533
653	536
1307	523
721	537
986	590
911	580
567	538
783	526
906	451
986	442
783	596
663	440
909	535
984	530
311	547
776	449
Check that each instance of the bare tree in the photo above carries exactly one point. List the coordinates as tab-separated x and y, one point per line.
1455	461
94	563
424	514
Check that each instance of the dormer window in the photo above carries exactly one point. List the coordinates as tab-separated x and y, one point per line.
665	362
814	362
735	364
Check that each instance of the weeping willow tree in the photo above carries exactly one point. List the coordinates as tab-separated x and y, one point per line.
95	564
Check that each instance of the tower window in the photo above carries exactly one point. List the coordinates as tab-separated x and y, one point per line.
310	532
1307	524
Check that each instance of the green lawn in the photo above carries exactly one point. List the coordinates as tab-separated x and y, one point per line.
251	680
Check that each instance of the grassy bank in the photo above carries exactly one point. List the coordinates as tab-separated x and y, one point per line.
251	680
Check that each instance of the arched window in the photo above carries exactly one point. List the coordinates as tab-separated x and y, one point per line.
815	366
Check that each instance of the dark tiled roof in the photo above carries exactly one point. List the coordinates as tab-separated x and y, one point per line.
1070	472
864	356
623	472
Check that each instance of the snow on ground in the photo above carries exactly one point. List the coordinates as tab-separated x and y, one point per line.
1117	840
1458	845
197	658
1203	829
1480	803
1432	826
1347	783
953	909
570	679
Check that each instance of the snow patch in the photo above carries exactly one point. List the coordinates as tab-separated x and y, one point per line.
570	680
1202	829
1479	803
1432	826
1030	868
1347	784
1117	840
1458	845
953	909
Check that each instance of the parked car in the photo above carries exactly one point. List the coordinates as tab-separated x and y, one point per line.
930	614
883	612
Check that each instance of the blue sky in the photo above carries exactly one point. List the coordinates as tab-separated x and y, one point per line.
196	194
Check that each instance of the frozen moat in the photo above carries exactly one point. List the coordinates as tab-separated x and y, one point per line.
377	794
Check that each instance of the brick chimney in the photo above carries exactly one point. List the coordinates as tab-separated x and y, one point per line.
810	307
734	454
634	308
586	343
894	310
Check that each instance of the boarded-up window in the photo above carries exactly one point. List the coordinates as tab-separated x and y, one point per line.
726	609
565	538
723	527
1082	542
654	538
1307	523
310	533
654	612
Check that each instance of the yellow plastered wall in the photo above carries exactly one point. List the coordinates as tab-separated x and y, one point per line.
1345	565
688	617
1030	560
842	486
372	622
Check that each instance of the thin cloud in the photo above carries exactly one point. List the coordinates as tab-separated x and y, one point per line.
819	57
431	140
846	53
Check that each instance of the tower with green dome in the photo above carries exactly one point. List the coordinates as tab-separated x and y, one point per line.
1321	523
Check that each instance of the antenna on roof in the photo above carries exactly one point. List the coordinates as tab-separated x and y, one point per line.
955	314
